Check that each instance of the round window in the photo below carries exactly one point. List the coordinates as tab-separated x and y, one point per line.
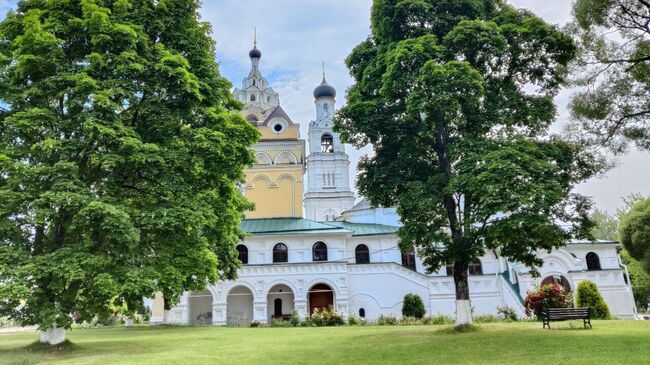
278	128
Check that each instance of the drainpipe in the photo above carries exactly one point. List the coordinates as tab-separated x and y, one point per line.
629	287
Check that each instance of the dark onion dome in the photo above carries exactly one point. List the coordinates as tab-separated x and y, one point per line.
324	90
255	53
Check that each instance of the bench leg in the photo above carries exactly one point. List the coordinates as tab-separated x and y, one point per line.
546	324
587	322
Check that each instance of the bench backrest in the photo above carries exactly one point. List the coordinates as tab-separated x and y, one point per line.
568	313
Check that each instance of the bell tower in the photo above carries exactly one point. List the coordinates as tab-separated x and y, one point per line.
328	177
275	182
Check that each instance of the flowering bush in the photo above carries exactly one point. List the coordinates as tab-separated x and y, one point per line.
546	296
326	317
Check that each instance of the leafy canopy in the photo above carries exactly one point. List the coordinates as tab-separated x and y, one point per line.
121	150
613	72
634	231
456	98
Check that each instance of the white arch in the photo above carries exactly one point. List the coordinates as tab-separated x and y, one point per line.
328	282
288	283
237	283
263	158
268	180
286	154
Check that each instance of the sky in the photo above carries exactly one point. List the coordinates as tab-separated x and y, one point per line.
295	36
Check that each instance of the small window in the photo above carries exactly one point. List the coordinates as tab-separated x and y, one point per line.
475	268
243	254
362	254
593	262
280	253
277	128
253	82
327	143
319	251
408	259
253	97
362	313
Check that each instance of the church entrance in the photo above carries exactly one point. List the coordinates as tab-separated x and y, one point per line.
321	296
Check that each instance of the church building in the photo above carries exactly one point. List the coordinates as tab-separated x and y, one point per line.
310	246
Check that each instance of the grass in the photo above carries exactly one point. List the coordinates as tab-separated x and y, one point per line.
609	342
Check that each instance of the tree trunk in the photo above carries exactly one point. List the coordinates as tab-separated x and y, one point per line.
52	336
463	304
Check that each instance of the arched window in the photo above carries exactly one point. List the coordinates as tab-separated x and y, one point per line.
362	313
252	118
450	269
593	262
243	253
319	251
475	268
326	143
252	97
362	254
408	258
280	253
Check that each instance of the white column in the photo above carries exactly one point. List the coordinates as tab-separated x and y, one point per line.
301	307
259	311
219	314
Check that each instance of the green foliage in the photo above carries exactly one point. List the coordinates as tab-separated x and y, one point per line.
640	280
589	296
387	320
487	318
544	297
507	313
606	226
634	232
295	318
278	322
438	319
413	306
613	69
121	151
461	147
352	320
326	317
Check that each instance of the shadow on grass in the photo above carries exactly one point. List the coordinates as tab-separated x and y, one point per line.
65	347
464	328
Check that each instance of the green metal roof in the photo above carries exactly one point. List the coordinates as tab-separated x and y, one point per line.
287	225
366	229
267	226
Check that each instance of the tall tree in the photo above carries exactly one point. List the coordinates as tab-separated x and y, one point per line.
456	98
613	71
634	231
121	151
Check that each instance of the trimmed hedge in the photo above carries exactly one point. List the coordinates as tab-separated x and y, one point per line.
413	306
589	296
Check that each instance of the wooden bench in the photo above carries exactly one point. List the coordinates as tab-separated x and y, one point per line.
566	314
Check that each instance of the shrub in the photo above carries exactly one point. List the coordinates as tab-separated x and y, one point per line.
387	320
507	313
589	296
486	318
326	317
413	306
255	324
295	318
6	322
352	320
546	296
438	319
276	322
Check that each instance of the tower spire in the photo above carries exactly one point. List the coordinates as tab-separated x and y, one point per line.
254	37
323	70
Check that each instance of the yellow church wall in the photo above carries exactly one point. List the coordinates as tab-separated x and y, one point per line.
290	132
276	192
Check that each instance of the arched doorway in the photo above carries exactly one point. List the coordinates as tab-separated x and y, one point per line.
239	306
200	308
559	280
320	296
280	301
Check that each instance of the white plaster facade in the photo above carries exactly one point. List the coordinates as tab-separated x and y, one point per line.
265	288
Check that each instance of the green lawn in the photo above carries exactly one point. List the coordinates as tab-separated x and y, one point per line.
609	342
